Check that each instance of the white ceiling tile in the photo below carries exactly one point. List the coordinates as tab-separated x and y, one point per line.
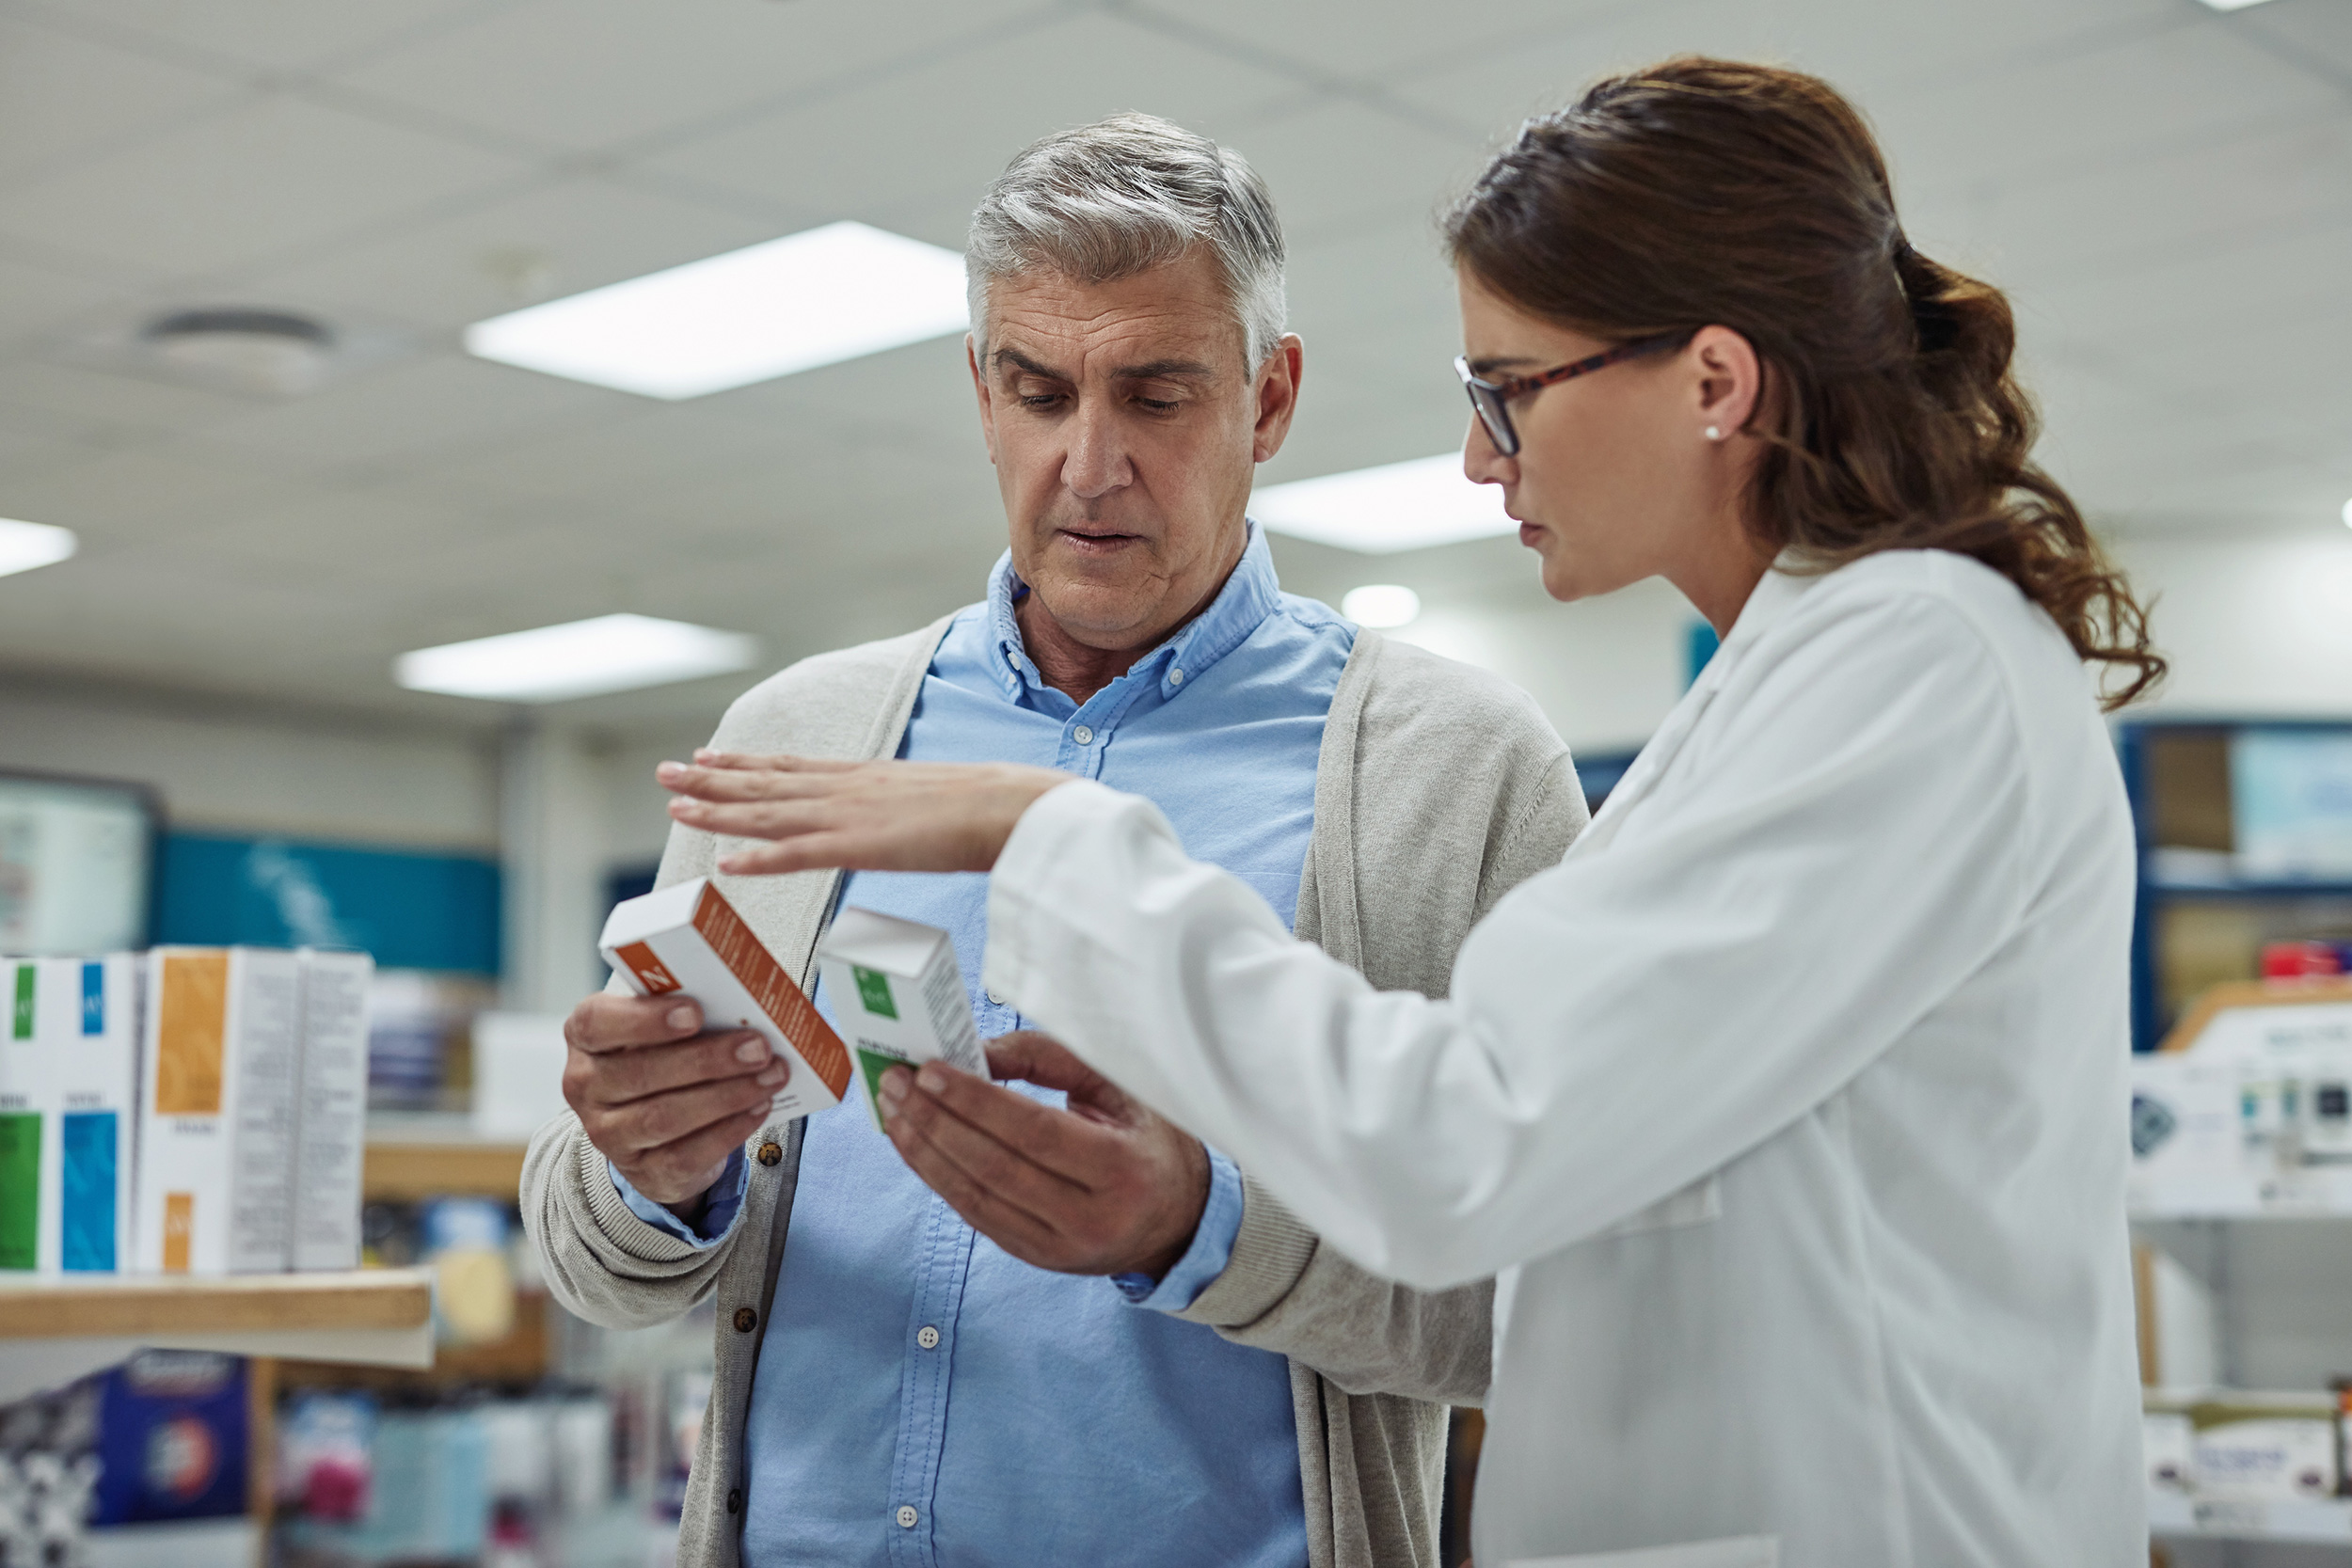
568	236
1864	47
245	185
275	34
2170	90
1374	39
1336	167
62	97
143	495
942	132
2321	30
41	302
591	74
131	403
402	413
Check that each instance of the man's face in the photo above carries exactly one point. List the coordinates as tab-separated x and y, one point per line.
1124	426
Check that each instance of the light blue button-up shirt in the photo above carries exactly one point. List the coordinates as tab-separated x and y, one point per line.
923	1398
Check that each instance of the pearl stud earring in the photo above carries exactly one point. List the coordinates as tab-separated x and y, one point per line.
1713	433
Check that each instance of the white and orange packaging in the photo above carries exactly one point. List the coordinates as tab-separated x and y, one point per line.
689	939
217	1110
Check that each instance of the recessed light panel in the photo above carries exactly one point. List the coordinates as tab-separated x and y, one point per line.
2232	5
1381	603
579	658
26	546
808	299
1397	506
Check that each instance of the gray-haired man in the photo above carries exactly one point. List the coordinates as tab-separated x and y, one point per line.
914	1374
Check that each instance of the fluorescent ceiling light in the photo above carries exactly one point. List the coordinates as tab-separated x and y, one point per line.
1381	603
2232	5
2347	513
808	299
1397	506
26	546
579	658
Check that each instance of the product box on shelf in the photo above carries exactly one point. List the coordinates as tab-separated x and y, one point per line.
217	1115
330	1110
69	1056
896	987
688	939
2265	1447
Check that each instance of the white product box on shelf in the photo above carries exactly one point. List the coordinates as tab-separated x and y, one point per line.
330	1110
2265	1447
688	939
896	987
68	1085
216	1105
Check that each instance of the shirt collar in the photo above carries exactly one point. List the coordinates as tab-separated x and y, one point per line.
1248	596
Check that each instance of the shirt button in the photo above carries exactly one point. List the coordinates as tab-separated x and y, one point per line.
770	1154
927	1337
1083	735
735	1500
994	998
907	1517
1175	677
745	1320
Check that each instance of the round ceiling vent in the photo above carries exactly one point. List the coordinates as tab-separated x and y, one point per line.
263	350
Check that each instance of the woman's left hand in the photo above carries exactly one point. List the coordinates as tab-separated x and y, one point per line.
854	816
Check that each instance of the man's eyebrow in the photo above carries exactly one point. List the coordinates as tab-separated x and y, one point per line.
1015	357
1158	369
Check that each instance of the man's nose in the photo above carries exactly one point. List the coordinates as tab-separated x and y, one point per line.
1097	461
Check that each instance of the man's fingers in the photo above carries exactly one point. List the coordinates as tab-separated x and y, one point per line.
664	1118
602	1023
1041	1059
1072	1149
1008	1211
620	1077
676	1171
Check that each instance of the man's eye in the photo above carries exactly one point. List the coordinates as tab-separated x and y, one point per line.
1039	400
1159	405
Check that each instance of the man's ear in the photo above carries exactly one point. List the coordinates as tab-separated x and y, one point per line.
1277	393
980	389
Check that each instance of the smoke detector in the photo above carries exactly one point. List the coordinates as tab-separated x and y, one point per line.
272	352
259	351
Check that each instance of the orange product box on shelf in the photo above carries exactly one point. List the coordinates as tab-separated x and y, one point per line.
217	1110
689	939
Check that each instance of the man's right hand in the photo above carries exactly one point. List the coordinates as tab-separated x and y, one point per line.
664	1101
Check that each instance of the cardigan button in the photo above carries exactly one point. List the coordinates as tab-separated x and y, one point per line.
745	1320
735	1500
771	1154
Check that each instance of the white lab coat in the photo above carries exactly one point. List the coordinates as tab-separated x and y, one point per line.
1790	1105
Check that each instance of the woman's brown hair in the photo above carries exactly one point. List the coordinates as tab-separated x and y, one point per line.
1707	192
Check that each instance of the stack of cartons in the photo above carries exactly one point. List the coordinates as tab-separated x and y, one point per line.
67	1089
896	988
189	1109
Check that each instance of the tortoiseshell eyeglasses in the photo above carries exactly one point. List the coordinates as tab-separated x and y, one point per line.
1491	399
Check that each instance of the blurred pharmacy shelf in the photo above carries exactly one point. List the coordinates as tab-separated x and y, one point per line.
414	1157
55	1329
2173	1515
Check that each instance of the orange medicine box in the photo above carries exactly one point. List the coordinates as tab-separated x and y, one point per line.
216	1110
688	939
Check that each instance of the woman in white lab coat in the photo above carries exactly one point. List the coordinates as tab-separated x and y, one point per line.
1789	1106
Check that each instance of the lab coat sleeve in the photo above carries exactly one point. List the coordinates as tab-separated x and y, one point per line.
1846	847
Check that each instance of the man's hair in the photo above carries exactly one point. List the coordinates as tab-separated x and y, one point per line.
1122	196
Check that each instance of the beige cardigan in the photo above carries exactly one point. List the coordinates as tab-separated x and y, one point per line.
1437	789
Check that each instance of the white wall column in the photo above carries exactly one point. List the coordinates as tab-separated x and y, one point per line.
556	843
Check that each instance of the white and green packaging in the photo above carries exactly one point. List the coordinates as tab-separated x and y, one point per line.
69	1083
898	996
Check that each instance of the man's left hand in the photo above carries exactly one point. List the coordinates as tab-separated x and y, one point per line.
1103	1187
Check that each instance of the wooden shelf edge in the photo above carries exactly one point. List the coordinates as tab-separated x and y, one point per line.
366	1300
400	1172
